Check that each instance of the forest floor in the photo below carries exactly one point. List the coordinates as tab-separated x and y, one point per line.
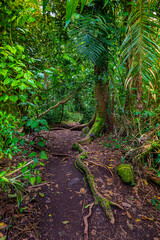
58	206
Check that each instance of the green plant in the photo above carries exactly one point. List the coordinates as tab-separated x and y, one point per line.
8	135
156	203
35	125
17	81
14	181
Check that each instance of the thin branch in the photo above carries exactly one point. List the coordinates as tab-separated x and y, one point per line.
59	103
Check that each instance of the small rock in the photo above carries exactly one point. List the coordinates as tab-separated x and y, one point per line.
73	181
93	232
124	204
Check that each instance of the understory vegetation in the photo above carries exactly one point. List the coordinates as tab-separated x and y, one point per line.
93	64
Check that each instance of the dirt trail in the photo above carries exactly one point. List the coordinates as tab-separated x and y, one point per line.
66	194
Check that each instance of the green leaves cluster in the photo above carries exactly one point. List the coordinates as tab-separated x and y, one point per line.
16	80
8	138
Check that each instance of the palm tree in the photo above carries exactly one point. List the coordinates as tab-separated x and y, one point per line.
140	48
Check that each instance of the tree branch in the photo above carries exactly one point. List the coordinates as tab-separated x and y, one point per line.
59	103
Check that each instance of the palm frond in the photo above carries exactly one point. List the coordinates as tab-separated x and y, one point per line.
139	45
90	36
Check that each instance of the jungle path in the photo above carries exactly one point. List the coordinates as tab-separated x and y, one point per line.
67	195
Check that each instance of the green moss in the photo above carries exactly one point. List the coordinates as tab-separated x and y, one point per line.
126	173
77	147
148	152
97	126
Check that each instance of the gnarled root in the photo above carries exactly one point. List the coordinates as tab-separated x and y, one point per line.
85	219
105	203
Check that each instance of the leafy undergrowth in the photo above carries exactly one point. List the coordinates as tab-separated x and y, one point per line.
20	185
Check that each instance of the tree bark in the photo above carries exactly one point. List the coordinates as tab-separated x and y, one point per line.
103	119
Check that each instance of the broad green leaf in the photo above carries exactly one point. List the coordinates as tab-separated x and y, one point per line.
23	98
5	98
22	142
41	143
34	124
3	65
43	155
22	86
43	121
39	180
13	98
31	19
33	154
7	80
32	180
29	122
4	72
70	10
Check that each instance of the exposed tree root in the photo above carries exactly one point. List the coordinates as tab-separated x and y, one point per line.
99	165
87	139
105	203
151	175
85	219
79	127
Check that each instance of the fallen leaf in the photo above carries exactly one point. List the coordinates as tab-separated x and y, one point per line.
1	235
124	204
130	225
147	218
41	194
2	225
56	186
155	238
87	206
145	182
110	193
93	232
65	222
137	220
128	214
82	191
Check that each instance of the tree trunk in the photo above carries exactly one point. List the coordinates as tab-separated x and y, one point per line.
104	117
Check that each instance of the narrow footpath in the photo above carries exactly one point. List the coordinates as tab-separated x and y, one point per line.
67	196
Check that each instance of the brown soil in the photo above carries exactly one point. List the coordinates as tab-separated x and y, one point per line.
55	209
67	195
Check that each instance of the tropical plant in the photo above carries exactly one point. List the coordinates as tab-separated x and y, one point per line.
141	48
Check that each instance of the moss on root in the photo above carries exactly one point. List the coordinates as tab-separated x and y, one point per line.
148	150
99	198
97	127
77	147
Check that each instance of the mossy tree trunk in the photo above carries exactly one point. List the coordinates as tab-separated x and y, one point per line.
104	116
